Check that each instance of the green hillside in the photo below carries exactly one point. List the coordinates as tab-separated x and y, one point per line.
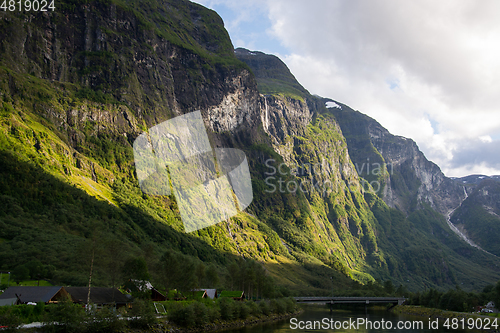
479	216
68	177
273	77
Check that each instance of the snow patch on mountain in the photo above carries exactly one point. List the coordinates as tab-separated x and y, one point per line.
331	104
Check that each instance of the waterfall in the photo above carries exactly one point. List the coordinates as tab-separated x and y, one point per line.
460	233
266	121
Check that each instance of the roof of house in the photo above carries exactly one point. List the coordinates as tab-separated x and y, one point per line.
97	295
211	293
31	294
8	301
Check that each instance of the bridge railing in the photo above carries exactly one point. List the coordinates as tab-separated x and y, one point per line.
351	300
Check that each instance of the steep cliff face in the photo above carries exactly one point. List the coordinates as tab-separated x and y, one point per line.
314	166
283	118
114	55
408	180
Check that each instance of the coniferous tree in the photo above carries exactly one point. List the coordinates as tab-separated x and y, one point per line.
169	266
212	276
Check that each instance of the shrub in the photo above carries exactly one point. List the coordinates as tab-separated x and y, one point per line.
143	314
277	306
104	320
9	319
213	314
64	317
254	309
241	310
200	313
290	305
226	306
264	308
182	315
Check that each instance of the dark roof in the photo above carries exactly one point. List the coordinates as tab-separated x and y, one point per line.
97	295
8	301
31	294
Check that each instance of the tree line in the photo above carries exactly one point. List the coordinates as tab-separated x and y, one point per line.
456	299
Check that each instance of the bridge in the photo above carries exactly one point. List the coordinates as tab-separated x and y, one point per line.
351	300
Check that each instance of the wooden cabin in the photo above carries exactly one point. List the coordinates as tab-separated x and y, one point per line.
24	295
236	295
99	296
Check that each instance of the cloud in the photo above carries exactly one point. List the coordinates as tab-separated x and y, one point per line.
426	70
248	24
477	155
429	71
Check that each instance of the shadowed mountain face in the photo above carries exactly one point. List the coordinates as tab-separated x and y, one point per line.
479	215
272	73
79	85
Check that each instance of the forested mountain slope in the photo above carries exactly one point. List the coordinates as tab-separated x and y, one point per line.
80	84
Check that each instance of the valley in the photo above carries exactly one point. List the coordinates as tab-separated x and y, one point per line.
335	195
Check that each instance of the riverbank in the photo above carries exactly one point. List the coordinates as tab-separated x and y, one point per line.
434	313
166	327
439	314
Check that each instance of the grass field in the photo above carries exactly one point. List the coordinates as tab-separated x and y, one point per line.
5	281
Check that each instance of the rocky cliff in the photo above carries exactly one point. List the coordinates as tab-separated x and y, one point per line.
80	84
406	179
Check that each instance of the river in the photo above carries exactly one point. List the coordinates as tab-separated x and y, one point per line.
317	318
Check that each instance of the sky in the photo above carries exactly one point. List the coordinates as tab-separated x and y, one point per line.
426	70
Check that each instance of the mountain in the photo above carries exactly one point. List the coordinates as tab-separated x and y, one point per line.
406	180
272	73
474	179
80	84
478	217
416	195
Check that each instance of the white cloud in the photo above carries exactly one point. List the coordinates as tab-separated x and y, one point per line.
427	70
486	139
